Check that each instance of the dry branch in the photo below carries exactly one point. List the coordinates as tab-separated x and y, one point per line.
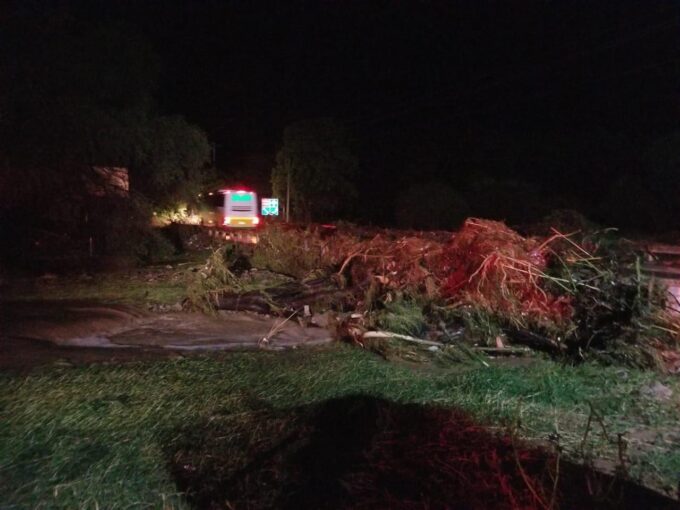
292	296
407	338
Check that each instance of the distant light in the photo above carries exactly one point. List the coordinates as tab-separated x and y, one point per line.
227	220
256	220
211	193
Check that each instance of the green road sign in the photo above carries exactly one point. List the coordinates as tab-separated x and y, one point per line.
270	207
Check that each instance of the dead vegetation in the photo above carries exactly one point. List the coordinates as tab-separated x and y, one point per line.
485	289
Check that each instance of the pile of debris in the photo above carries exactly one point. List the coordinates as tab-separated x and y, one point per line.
489	266
487	288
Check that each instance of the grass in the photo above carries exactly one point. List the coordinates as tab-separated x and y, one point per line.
218	275
103	436
289	252
404	317
163	284
120	287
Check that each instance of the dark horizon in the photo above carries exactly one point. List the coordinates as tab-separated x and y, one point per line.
558	64
563	97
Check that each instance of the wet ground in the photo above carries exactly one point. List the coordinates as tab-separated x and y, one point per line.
347	453
37	333
22	355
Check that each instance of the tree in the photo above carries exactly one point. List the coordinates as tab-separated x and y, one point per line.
316	165
76	96
70	91
170	161
73	96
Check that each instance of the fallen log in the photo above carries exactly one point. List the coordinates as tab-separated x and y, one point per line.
535	341
503	351
318	294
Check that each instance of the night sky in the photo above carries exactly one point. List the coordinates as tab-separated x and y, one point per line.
430	89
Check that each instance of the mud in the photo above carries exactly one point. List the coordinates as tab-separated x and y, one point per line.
22	355
36	333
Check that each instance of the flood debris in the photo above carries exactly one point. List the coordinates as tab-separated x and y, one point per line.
485	289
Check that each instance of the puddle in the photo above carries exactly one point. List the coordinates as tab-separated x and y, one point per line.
91	341
103	326
362	452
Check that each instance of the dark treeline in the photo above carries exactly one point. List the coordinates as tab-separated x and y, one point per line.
76	95
613	178
516	108
507	110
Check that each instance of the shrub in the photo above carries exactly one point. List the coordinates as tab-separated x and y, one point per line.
155	247
291	252
404	317
214	278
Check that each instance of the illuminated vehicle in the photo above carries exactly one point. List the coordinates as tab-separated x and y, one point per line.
240	209
229	209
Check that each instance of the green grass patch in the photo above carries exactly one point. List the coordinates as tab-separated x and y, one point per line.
294	253
404	317
104	435
227	270
163	284
120	287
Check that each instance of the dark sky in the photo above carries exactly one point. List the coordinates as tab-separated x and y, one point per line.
242	70
432	90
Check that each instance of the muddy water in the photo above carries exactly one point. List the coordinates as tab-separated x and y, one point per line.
32	333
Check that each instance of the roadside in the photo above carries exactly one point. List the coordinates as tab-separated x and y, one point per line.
612	418
159	286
